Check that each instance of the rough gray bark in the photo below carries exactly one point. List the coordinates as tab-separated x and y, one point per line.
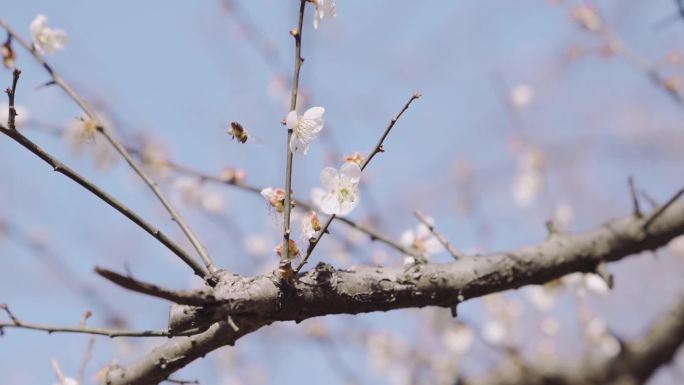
252	302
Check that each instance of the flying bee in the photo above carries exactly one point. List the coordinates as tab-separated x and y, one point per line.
238	132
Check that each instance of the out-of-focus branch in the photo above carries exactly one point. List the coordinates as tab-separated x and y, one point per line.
378	148
59	81
440	237
636	362
324	290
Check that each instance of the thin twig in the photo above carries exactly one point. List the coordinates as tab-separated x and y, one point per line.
635	198
17	323
110	200
378	148
11	92
59	81
662	209
181	382
86	359
377	236
440	237
651	201
193	298
297	34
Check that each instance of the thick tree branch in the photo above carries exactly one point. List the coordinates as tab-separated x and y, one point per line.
160	363
325	290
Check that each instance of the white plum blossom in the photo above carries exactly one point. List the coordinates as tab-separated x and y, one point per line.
67	381
542	297
458	339
528	180
521	95
494	332
341	192
311	225
324	8
421	239
46	40
276	198
304	128
585	283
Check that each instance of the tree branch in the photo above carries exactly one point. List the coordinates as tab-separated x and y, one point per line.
195	298
59	81
325	290
440	237
297	34
17	323
110	200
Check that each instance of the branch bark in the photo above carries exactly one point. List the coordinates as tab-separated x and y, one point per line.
324	290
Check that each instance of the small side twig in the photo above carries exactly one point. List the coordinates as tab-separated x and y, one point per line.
378	148
87	356
192	298
662	209
440	237
181	382
635	198
17	323
11	92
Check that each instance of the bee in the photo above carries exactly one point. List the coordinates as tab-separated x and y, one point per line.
238	132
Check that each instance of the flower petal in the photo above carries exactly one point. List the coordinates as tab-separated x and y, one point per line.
329	204
351	171
314	113
329	178
347	205
298	145
291	119
317	195
38	24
